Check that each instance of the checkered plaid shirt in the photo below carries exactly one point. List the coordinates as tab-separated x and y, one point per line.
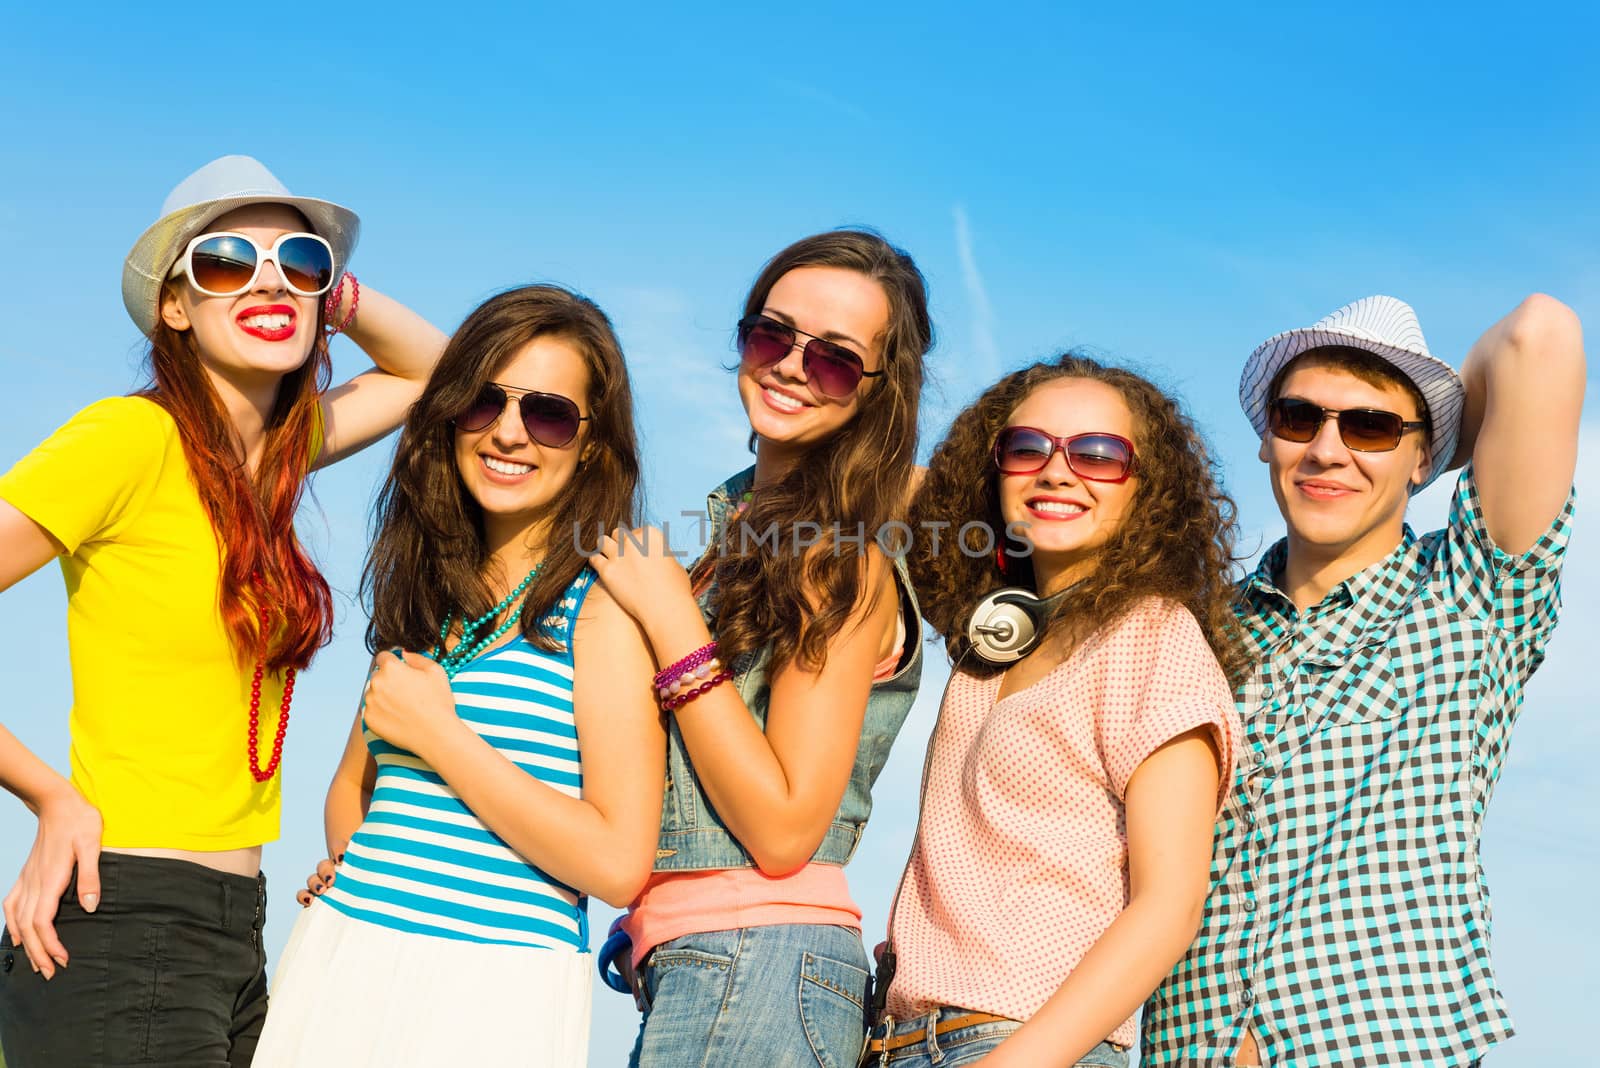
1348	919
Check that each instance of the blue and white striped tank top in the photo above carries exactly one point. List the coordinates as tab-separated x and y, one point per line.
422	862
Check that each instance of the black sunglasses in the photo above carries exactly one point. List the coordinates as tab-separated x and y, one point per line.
549	418
1361	429
832	368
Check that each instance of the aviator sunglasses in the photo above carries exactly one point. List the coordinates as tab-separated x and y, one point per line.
833	369
549	418
1361	429
227	264
1098	457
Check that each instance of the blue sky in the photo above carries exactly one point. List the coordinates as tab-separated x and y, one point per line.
1167	186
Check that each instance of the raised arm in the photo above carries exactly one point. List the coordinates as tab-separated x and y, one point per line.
777	791
404	347
1171	806
602	843
68	834
1524	380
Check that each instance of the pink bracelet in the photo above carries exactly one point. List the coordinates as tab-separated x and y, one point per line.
677	701
688	679
331	306
668	675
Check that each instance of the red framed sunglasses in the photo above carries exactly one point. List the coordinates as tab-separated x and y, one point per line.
1098	457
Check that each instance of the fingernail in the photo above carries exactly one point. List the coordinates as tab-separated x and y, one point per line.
61	961
91	902
339	859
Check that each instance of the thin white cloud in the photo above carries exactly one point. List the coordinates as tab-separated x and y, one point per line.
982	325
812	94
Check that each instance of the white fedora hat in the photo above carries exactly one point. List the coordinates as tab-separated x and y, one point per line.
214	190
1388	329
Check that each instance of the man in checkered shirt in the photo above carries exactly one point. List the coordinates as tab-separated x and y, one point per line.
1348	918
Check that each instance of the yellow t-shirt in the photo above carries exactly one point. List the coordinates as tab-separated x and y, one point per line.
161	707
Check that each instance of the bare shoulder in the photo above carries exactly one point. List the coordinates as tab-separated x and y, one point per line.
919	472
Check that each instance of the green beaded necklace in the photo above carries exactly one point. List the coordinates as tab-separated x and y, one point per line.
468	648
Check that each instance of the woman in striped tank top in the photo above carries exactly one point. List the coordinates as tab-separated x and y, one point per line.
506	761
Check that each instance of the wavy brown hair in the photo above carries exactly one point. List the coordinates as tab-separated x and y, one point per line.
275	605
429	558
856	480
1177	542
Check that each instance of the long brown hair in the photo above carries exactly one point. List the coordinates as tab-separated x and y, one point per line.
855	481
1176	543
275	604
429	555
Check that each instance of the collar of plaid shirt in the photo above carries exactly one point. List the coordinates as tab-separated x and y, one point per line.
1348	919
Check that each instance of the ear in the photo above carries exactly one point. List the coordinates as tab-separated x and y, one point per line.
1419	474
172	310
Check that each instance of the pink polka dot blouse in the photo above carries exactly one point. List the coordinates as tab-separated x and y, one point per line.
1021	859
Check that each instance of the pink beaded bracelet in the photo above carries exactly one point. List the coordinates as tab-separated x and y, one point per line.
331	306
677	701
672	673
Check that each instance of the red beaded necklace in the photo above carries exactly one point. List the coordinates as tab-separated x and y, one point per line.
255	725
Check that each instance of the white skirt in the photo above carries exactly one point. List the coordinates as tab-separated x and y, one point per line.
347	992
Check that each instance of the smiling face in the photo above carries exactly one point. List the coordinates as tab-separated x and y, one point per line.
259	336
513	478
1069	518
786	411
1341	504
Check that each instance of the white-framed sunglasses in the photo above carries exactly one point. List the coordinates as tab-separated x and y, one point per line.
226	264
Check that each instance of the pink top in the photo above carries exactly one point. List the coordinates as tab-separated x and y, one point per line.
674	904
1021	858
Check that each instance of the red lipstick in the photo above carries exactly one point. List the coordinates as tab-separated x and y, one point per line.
268	333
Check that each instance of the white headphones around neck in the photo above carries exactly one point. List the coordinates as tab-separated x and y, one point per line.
1009	623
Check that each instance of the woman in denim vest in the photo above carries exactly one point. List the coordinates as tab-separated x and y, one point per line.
746	945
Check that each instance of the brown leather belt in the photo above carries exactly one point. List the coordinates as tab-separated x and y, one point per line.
891	1042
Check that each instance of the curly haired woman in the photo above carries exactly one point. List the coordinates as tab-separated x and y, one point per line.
1067	806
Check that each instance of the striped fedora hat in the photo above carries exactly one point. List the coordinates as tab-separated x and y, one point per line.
1388	329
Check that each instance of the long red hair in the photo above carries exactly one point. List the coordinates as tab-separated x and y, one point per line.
275	604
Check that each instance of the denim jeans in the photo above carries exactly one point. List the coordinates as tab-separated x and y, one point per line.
169	970
786	996
969	1045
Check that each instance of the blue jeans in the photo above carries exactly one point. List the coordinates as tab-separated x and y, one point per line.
969	1045
786	996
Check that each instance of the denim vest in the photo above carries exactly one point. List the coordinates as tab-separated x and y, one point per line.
693	836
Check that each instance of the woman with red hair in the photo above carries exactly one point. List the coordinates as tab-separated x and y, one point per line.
191	604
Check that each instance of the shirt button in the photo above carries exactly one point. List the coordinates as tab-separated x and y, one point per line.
1248	997
1249	904
1266	691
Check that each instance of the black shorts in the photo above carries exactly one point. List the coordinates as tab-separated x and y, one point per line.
169	970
